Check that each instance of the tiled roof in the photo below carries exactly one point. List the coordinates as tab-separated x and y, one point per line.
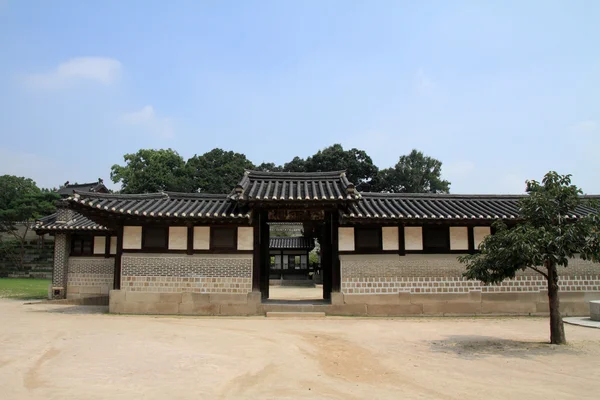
97	187
78	223
438	206
162	205
294	186
295	243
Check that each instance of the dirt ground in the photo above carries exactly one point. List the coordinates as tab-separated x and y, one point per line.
59	352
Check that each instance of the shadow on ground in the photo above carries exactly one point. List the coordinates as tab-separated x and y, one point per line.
67	309
474	346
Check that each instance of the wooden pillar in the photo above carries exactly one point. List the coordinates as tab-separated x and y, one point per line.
401	241
326	257
264	254
107	246
190	240
118	256
471	238
336	278
256	252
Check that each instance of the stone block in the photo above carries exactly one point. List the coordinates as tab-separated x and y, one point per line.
435	298
254	297
508	297
393	310
359	310
170	297
238	309
117	295
196	298
508	307
595	310
372	298
116	307
572	309
452	308
337	298
134	307
228	298
162	308
193	308
73	289
145	297
90	289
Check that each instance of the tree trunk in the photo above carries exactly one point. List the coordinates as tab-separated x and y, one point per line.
557	330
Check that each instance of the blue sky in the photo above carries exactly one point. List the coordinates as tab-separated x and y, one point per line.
498	91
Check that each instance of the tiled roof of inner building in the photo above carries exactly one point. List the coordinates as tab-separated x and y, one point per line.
163	205
294	186
295	243
68	190
440	206
77	223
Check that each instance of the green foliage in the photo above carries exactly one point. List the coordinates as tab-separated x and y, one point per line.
217	171
149	171
357	163
21	201
268	167
24	289
414	173
313	257
548	237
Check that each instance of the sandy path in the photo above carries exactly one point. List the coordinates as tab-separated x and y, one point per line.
57	352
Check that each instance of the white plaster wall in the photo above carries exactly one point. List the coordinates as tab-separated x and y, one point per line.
459	238
413	238
178	237
245	240
99	244
479	233
132	237
346	239
201	237
113	245
390	237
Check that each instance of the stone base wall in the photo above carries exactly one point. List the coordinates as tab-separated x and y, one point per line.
416	273
89	276
178	273
184	303
454	304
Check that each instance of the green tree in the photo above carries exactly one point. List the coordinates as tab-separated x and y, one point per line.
21	202
357	163
414	173
296	165
217	171
149	171
269	167
547	239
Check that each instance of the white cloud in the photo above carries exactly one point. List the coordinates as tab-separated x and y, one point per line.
147	120
424	82
102	70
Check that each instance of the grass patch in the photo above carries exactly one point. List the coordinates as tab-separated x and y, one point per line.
24	289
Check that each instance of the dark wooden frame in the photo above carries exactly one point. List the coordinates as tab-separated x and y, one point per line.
368	250
436	228
160	249
82	254
214	248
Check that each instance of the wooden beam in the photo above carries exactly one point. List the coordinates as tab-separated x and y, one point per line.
401	241
471	239
190	240
107	246
118	256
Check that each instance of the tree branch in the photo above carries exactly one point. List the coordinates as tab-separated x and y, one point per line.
539	271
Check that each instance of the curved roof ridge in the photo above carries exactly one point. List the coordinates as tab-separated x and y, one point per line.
121	195
299	174
444	195
198	195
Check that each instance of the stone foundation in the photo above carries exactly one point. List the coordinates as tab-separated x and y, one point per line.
186	303
89	277
177	273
